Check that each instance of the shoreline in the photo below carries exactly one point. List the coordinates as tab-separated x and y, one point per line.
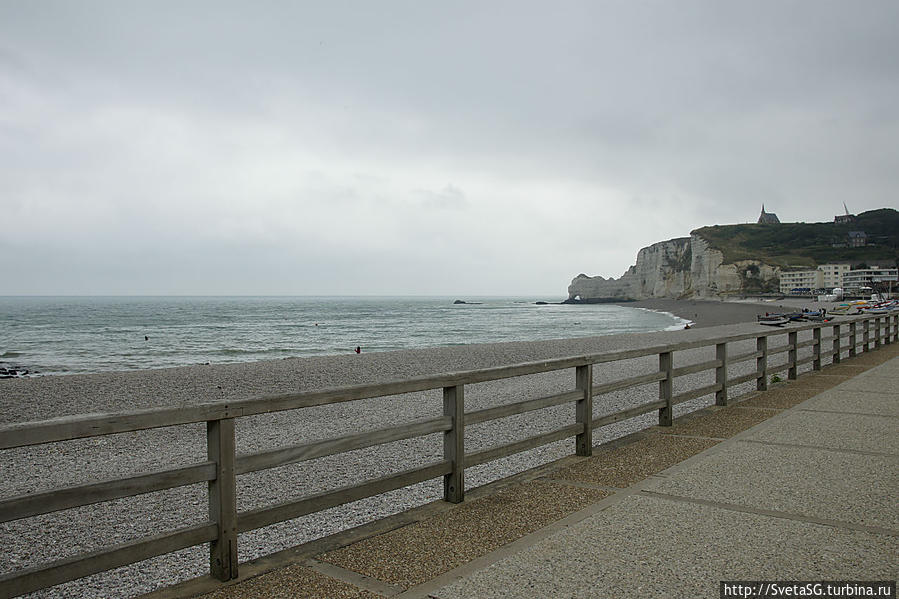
703	313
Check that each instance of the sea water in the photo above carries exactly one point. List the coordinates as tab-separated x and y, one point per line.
69	335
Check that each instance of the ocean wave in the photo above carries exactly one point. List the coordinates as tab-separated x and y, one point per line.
679	323
11	354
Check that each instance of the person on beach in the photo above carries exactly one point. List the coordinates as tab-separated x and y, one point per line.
358	350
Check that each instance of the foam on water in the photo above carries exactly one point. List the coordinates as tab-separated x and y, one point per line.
64	335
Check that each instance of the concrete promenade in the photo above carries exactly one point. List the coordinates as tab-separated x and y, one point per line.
797	483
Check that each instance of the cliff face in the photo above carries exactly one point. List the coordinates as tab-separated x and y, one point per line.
683	267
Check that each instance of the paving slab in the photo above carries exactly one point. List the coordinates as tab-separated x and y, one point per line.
887	370
808	482
653	547
855	402
855	432
878	382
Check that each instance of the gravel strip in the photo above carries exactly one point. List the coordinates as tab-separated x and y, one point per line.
721	424
293	582
35	541
624	466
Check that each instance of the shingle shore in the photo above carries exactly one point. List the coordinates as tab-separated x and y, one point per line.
29	470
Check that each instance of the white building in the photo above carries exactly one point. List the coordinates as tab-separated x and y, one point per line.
833	274
800	281
826	276
870	277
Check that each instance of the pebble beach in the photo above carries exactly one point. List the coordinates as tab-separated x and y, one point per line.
35	541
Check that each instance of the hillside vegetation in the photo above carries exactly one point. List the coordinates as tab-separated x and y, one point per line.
802	245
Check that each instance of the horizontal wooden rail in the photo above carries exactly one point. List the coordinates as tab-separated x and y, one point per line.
694	368
504	411
622	384
779	349
628	413
742	379
807	360
35	504
319	449
79	566
779	368
744	357
688	395
253	519
504	451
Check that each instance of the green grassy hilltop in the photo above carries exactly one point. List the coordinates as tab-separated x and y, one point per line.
801	245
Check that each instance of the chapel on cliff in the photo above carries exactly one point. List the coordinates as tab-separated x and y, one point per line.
768	218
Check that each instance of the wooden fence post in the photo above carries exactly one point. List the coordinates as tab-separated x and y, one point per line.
877	327
583	443
792	355
761	364
866	335
853	340
816	337
836	344
666	387
454	443
220	448
721	374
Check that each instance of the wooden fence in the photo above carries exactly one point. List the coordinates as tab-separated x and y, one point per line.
223	464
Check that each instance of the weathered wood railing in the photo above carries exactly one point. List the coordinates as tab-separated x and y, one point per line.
223	464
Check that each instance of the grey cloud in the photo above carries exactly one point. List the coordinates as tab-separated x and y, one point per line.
448	198
261	134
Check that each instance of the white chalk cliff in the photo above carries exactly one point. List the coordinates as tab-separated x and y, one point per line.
677	268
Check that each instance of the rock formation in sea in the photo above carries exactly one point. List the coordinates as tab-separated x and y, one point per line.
678	268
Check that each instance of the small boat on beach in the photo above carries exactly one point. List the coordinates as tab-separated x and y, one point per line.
816	315
880	308
774	320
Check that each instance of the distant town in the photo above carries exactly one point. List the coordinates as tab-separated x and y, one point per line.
860	280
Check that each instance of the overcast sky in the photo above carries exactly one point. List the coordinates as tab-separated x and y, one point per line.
445	148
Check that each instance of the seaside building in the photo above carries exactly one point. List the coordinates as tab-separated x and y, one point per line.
874	278
832	274
826	276
857	239
805	282
768	218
